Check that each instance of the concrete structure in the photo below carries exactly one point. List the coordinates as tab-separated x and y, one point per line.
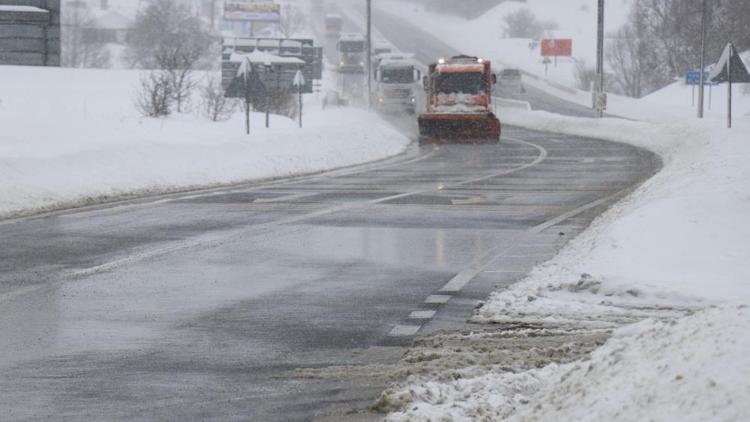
30	32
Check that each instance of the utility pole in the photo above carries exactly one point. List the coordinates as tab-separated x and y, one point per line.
730	47
369	54
701	89
600	62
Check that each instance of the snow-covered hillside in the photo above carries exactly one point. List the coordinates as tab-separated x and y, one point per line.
484	36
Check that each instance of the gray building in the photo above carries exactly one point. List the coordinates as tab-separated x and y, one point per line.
30	32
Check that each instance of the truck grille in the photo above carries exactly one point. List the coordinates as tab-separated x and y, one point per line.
400	93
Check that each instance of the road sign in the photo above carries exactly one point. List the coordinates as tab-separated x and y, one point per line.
599	101
730	68
730	59
303	49
693	78
252	12
557	48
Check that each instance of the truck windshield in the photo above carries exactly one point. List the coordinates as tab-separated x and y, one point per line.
398	76
463	83
351	46
333	23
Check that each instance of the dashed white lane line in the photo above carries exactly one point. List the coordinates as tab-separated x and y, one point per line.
438	299
404	330
464	277
285	198
422	314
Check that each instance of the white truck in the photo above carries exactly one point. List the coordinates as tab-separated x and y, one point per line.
398	83
352	51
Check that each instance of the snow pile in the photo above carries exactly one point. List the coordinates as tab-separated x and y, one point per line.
73	137
487	397
691	369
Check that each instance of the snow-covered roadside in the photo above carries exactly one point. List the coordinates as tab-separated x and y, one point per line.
71	137
673	255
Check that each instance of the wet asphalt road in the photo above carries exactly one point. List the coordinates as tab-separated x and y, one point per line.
201	307
205	306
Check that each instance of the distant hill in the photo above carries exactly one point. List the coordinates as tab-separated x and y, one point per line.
468	9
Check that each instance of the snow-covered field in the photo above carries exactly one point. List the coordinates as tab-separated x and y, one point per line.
665	271
72	137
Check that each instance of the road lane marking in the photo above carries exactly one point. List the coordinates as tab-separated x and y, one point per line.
438	299
285	198
404	330
427	314
457	283
470	201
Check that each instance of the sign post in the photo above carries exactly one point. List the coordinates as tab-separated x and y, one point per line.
729	87
694	79
703	62
729	69
299	83
246	70
369	54
600	60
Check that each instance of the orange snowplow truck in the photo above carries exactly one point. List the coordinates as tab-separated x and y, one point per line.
459	103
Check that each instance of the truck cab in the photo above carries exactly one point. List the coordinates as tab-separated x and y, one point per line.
334	24
398	83
352	53
459	106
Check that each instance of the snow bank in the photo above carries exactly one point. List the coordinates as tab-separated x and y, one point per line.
690	369
672	255
71	137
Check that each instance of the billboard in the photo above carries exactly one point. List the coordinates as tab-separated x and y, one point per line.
557	48
252	12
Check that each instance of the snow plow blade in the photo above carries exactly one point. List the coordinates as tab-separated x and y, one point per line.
459	129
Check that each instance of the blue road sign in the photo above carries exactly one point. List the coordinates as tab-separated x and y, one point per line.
694	78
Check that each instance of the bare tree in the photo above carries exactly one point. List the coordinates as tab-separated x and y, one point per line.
80	44
524	24
668	38
167	36
585	75
214	105
155	97
629	58
292	20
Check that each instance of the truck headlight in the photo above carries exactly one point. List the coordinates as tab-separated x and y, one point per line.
414	100
361	63
341	63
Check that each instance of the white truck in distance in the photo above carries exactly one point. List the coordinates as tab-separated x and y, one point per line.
352	53
398	83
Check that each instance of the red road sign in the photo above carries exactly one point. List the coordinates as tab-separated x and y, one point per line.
557	48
